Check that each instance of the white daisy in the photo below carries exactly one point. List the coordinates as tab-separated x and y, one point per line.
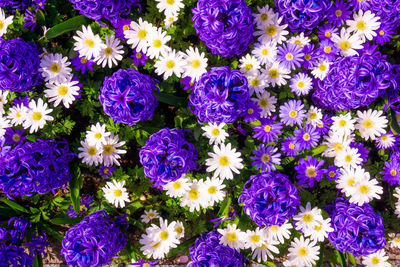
256	83
264	15
169	20
111	53
265	52
321	70
179	187
223	161
377	259
87	44
3	100
232	237
213	192
348	158
195	63
193	198
320	231
37	116
249	65
54	68
111	150
254	239
343	124
314	116
97	134
4	124
371	123
349	178
301	84
272	31
90	155
307	218
300	40
303	252
395	242
364	191
4	22
279	233
276	74
263	252
364	24
17	114
266	102
149	215
334	143
179	229
215	133
65	92
386	141
116	193
170	7
157	43
170	63
346	43
138	35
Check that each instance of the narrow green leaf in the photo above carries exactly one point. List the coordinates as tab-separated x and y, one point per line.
270	264
74	187
182	246
38	262
318	150
52	232
66	26
224	207
321	257
14	205
351	258
341	258
395	123
171	99
40	17
65	220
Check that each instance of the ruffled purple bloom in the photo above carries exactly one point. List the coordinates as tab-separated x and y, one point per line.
387	10
290	147
19	64
94	241
38	244
82	63
309	170
37	167
20	226
265	157
127	96
207	251
108	9
292	112
13	255
307	137
225	26
354	82
357	229
15	4
187	83
303	15
86	203
220	95
14	137
269	199
391	172
290	56
167	155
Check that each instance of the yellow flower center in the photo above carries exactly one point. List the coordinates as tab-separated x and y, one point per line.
271	30
368	124
117	192
106	170
179	230
264	52
83	60
98	135
300	84
157	43
307	218
92	151
344	45
255	238
193	194
381	33
310	172
55	68
170	64
1	24
393	172
176	185
322	67
307	56
263	103
327	34
331	174
318	228
338	13
293	114
337	147
267	128
273	73
384	137
348	158
195	64
375	260
364	189
248	67
17	137
250	111
254	82
164	235
146	265
212	190
342	123
264	17
265	158
351	182
62	90
327	49
156	245
232	237
142	34
108	51
291	146
108	149
89	43
289	56
139	55
170	2
361	25
224	161
215	132
36	116
125	27
306	137
18	114
264	246
303	252
298	42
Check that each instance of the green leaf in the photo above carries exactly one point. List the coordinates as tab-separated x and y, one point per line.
184	245
52	232
270	264
14	205
65	220
171	99
66	26
321	258
74	187
341	258
224	207
395	124
351	258
318	150
40	17
38	262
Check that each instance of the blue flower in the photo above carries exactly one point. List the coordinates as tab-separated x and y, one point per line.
269	199
15	4
225	26
309	170
127	96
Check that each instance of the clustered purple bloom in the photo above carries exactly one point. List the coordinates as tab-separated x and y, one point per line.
303	15
13	255
269	199
15	4
127	96
354	82
225	26
167	155
357	229
35	167
94	241
19	65
388	12
220	95
207	251
108	9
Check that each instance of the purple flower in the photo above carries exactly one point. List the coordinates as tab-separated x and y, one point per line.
339	12
387	10
323	127
333	173
82	63
269	199
311	55
19	61
94	241
268	131
121	26
37	167
265	158
362	150
13	255
220	95
20	225
39	4
326	31
290	147
106	171
167	155
139	58
108	9
290	56
252	112
391	172
307	137
15	4
292	112
127	96
354	82
303	15
385	33
230	216
187	83
14	137
207	251
30	19
225	26
356	229
86	204
328	50
38	244
143	263
309	170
